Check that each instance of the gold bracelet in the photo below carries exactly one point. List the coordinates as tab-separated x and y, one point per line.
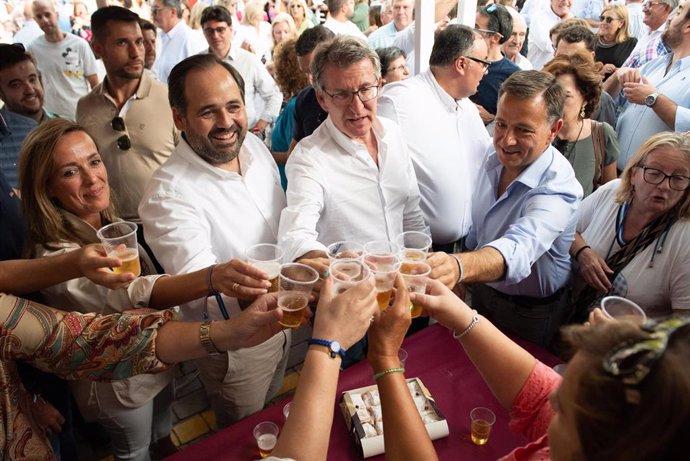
205	339
387	372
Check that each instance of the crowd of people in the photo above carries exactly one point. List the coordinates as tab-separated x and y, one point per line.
545	151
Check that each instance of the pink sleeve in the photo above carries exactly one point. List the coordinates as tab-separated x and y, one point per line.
532	412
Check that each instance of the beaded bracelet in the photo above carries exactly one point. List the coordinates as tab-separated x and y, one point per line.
475	320
389	371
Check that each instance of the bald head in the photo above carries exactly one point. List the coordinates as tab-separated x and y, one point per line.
46	17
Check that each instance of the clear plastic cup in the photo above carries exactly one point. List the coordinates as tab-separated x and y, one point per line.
617	306
482	421
296	283
120	240
267	257
266	435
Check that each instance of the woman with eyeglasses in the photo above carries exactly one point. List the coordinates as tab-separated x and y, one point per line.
633	233
393	64
65	200
590	146
614	43
625	394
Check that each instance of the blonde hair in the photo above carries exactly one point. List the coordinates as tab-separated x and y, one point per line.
663	140
253	9
42	214
621	13
284	17
195	15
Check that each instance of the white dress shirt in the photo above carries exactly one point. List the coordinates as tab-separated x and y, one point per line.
447	142
262	97
196	214
174	46
344	28
336	191
540	46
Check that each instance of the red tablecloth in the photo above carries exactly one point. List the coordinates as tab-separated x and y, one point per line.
450	376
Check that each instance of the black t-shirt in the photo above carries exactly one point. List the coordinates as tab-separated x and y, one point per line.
487	92
616	54
11	223
308	114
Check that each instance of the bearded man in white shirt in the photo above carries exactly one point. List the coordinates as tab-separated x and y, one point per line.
352	179
217	195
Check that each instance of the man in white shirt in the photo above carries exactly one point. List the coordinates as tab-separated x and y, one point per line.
352	179
262	95
341	11
636	25
445	134
403	14
511	48
540	45
217	195
30	29
66	62
177	39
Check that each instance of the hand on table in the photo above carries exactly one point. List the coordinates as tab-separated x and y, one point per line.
240	279
387	332
95	264
345	317
444	268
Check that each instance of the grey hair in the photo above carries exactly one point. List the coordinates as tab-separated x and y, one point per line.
342	52
672	4
175	4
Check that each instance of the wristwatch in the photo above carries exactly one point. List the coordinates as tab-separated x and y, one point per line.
205	339
650	100
334	348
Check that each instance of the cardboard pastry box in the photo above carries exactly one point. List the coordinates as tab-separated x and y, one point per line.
362	411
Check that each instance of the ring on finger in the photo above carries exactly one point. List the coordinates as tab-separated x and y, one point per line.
235	287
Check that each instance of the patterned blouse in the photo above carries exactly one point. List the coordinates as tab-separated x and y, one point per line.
73	346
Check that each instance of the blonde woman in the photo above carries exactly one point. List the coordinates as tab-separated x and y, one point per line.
614	43
300	13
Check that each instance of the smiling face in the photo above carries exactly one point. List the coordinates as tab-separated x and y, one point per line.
215	122
659	198
609	30
21	89
514	44
677	25
522	132
356	118
655	13
46	17
122	50
79	181
402	13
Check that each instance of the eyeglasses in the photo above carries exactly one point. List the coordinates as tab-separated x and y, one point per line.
485	64
656	177
156	9
488	32
633	360
608	19
123	142
401	67
648	5
343	98
220	30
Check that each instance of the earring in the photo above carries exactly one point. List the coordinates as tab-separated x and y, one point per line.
582	111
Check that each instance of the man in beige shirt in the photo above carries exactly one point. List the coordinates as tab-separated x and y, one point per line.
127	115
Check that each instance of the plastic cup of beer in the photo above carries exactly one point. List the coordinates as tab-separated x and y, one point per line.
384	268
296	283
413	240
344	249
267	257
347	273
415	274
617	306
482	421
120	240
266	435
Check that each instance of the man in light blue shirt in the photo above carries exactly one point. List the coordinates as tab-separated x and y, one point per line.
657	95
523	215
403	13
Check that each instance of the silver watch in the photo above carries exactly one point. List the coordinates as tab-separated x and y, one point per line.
650	100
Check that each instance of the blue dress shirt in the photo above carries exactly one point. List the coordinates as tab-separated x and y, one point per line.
532	224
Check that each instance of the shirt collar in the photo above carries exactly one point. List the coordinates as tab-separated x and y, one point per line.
451	104
4	129
347	144
175	30
82	229
184	150
532	175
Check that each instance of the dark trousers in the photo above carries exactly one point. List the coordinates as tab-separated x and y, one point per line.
535	319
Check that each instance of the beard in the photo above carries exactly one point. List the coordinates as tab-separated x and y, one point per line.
671	37
213	151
